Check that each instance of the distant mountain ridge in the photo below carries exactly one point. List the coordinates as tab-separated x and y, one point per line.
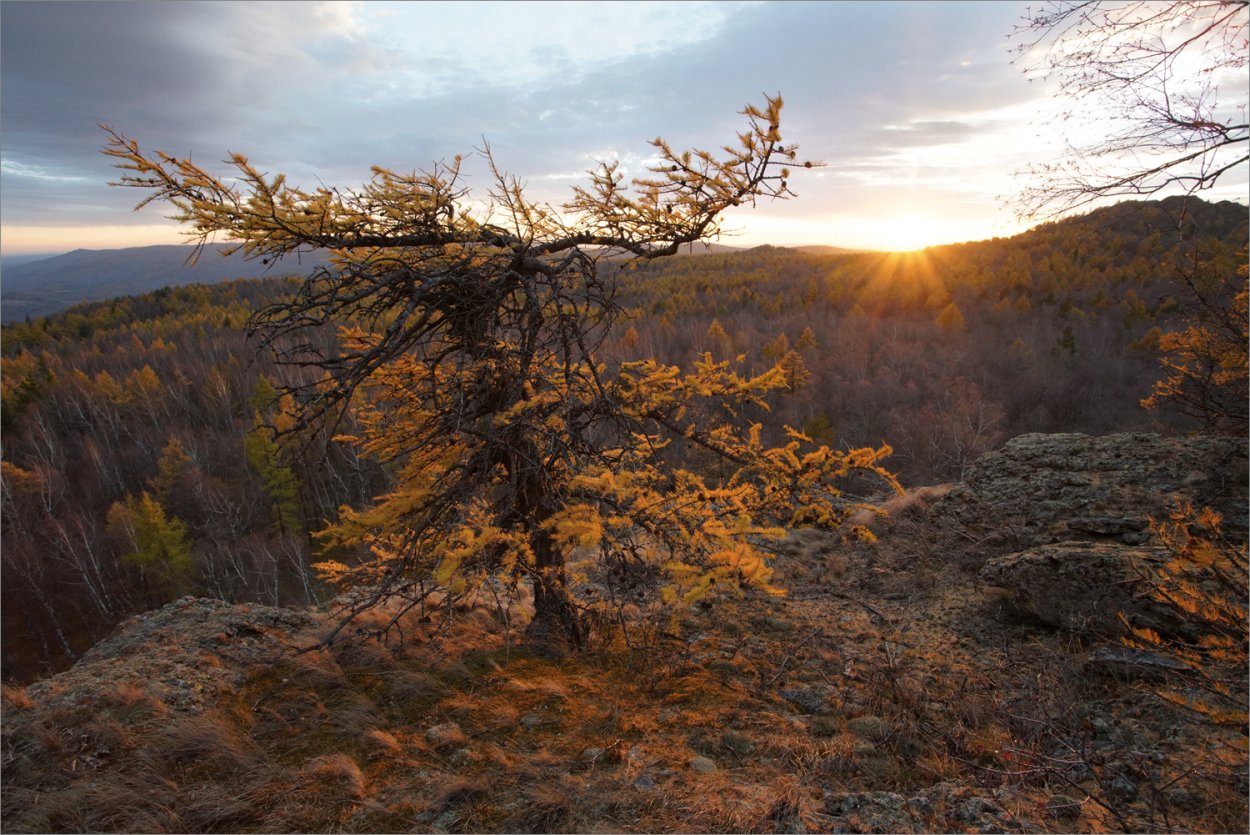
49	285
42	287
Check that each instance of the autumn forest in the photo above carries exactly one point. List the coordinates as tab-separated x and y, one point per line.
139	464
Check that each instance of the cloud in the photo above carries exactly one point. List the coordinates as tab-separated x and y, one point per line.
327	90
36	172
172	73
919	132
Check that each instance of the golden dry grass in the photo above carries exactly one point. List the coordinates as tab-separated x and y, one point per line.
339	772
14	697
792	700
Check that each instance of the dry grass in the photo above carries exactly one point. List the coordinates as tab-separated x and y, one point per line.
791	700
215	807
13	697
339	772
208	743
384	742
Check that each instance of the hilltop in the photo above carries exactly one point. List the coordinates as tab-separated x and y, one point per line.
944	678
49	285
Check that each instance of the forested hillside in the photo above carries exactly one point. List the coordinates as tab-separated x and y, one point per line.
137	468
133	471
946	352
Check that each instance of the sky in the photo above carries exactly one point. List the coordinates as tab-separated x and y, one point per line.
915	107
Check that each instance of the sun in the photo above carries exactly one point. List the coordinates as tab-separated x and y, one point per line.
910	232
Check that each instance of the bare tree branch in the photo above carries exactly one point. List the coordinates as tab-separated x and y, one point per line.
1150	74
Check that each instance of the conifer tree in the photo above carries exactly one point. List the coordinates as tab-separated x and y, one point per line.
467	349
171	474
629	341
281	485
154	543
779	347
951	318
794	370
820	430
716	333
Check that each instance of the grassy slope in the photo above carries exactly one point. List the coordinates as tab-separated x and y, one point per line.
886	669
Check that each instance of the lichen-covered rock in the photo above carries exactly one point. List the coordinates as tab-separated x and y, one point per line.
883	811
807	699
1082	585
1063	807
869	727
737	743
1117	526
872	812
185	654
703	765
446	735
1041	489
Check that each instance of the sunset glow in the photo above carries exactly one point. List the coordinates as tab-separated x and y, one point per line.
907	233
22	240
647	416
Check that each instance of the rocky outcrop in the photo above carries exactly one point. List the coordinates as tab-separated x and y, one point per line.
1044	489
1082	586
884	811
201	716
185	654
1068	519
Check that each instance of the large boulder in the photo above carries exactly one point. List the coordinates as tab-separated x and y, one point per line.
1083	586
1045	489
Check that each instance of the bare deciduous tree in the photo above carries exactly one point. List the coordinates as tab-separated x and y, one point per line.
1156	97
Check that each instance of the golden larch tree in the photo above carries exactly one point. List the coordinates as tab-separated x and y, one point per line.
468	352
